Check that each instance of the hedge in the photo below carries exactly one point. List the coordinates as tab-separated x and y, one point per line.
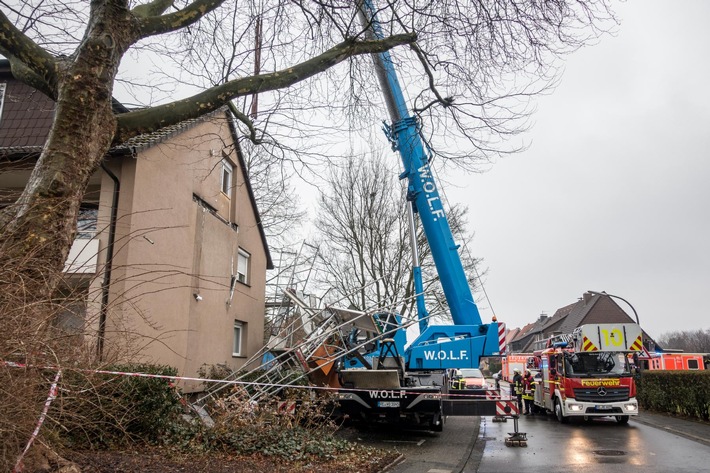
684	393
97	410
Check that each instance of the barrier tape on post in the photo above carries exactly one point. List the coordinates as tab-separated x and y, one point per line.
51	397
507	408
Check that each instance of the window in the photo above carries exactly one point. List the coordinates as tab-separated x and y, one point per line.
2	97
238	335
86	226
693	364
227	170
243	266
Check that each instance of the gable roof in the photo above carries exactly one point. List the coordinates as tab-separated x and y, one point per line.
27	115
24	124
558	317
578	312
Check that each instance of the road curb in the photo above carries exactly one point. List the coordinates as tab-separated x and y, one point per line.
680	433
472	453
393	463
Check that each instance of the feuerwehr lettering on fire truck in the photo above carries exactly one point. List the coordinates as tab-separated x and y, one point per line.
601	382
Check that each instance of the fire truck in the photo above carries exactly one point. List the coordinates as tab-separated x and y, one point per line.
587	373
519	361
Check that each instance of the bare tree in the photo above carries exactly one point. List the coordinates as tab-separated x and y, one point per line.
43	220
363	240
691	341
276	199
464	64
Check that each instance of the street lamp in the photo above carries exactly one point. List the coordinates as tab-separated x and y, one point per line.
603	293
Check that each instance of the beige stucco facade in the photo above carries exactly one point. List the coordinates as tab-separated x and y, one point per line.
173	299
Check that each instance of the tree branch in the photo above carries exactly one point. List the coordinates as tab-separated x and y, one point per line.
154	8
245	120
432	86
152	119
39	65
153	25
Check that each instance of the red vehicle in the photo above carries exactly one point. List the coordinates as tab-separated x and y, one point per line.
520	361
469	378
587	374
676	361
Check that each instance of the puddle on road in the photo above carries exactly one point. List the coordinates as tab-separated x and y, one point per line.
610	453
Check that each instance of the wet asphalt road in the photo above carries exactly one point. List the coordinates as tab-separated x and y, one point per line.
477	445
598	446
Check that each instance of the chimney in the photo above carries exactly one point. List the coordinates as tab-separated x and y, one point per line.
587	296
543	317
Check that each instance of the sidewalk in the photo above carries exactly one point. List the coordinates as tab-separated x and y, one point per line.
691	429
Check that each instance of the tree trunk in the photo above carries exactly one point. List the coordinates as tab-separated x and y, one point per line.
38	230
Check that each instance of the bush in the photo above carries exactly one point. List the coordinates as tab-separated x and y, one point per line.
684	393
98	410
245	428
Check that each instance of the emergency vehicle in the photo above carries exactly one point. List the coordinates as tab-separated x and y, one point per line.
588	374
519	361
676	361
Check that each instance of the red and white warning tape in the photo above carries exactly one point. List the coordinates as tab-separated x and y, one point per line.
51	397
222	381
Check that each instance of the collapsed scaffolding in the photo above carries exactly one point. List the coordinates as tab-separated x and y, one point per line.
305	345
306	337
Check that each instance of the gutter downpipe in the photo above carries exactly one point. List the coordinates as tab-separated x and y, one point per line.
106	283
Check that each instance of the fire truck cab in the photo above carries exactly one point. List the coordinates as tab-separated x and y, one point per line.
587	373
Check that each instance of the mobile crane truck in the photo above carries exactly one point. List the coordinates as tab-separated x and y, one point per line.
384	381
587	373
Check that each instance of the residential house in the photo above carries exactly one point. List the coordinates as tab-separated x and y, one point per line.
539	332
518	343
530	335
169	263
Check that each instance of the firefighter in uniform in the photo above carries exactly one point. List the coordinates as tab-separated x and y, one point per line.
518	388
528	393
458	382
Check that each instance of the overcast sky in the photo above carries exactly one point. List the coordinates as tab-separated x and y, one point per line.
613	193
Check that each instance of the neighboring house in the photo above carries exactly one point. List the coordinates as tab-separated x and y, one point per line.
530	335
539	332
169	263
591	308
511	335
518	343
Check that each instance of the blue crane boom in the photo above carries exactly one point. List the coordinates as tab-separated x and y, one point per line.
422	190
443	346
